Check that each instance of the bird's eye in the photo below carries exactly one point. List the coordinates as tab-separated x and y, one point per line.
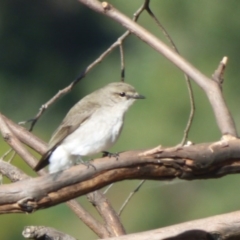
122	94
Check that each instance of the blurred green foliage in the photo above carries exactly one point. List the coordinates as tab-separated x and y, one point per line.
44	45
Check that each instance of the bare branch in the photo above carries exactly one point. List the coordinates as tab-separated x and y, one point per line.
12	172
130	197
25	136
44	233
15	143
222	114
225	226
109	215
215	160
218	74
6	153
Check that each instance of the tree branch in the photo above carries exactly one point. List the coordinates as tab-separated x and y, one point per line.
211	88
12	172
225	226
199	161
44	233
10	138
111	218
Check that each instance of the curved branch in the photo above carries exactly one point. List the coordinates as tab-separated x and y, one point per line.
225	226
211	88
199	161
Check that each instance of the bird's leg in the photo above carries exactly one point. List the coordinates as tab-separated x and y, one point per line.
108	154
86	163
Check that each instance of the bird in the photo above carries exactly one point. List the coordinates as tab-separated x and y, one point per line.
91	126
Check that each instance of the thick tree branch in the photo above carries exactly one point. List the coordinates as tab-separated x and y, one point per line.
199	161
211	88
225	226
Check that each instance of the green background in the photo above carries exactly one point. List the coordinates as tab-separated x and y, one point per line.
44	45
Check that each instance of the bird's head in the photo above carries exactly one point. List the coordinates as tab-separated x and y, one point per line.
121	94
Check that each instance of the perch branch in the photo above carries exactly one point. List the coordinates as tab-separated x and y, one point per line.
199	161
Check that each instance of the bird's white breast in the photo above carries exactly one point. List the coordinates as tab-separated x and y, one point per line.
96	134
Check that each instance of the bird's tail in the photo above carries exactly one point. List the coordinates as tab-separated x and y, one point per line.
43	162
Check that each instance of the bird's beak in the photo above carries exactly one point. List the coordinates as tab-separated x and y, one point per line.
138	96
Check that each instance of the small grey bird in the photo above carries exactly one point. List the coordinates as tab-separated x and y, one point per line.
91	126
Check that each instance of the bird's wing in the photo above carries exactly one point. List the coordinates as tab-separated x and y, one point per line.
69	124
66	128
75	117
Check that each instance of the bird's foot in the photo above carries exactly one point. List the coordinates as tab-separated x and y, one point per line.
108	154
87	164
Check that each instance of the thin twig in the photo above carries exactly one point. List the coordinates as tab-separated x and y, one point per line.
130	196
218	74
107	189
6	153
189	86
122	62
12	157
